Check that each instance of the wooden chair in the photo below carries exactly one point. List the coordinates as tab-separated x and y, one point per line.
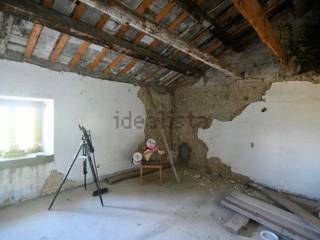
153	164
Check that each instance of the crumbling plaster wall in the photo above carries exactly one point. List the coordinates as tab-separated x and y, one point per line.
275	141
77	99
222	99
161	112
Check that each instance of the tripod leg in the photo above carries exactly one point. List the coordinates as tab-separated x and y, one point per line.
65	177
85	173
95	179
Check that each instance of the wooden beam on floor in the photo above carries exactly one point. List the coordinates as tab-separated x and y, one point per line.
59	22
124	15
256	16
35	33
280	198
283	222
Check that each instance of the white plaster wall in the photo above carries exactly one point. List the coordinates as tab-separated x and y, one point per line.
77	99
286	139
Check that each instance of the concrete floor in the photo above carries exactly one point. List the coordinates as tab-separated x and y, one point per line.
189	210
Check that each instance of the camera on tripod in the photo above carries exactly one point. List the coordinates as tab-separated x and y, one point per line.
87	137
87	150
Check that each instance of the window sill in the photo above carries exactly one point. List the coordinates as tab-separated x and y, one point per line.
26	161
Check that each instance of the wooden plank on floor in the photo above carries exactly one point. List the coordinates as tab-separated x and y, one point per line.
289	226
260	219
288	216
291	206
236	222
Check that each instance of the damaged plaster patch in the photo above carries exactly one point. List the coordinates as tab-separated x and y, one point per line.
53	181
286	139
163	104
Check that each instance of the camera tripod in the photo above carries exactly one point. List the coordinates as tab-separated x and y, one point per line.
87	151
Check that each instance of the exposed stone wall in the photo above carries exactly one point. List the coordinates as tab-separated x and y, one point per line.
198	106
217	97
163	106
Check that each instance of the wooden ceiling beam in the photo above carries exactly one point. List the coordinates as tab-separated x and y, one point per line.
6	22
162	14
198	14
35	33
121	32
253	12
98	58
85	45
34	12
124	15
63	39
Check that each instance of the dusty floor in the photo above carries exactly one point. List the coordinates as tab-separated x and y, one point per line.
189	210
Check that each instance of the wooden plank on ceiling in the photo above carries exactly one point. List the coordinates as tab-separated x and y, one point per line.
101	55
59	22
200	15
155	42
85	45
124	15
35	33
64	38
124	28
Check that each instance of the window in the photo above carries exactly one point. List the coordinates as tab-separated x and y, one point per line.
26	126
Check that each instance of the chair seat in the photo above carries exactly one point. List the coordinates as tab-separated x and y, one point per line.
151	162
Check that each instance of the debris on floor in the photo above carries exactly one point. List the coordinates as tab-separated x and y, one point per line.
281	221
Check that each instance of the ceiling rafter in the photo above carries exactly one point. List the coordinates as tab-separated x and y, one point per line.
85	45
63	39
98	58
59	22
6	22
35	33
121	32
268	10
241	27
162	14
253	12
181	17
124	15
197	13
178	53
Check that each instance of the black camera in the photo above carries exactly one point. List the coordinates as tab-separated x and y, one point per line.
87	137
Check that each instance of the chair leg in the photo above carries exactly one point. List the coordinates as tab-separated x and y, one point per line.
141	174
